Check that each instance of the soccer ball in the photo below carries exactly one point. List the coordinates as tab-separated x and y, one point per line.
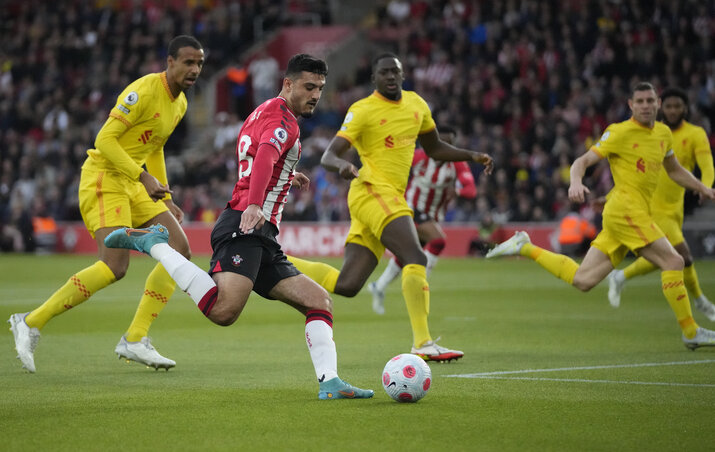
406	378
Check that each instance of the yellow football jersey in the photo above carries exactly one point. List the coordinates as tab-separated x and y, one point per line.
150	112
691	146
635	154
384	133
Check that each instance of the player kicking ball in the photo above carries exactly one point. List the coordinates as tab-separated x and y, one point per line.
246	256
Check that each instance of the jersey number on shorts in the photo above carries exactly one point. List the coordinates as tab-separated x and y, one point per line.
244	169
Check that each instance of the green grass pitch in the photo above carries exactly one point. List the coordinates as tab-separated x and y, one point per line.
610	380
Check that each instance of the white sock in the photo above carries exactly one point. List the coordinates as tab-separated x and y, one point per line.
188	276
391	272
319	337
431	262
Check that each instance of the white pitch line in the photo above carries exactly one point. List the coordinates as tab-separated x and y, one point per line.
581	380
566	369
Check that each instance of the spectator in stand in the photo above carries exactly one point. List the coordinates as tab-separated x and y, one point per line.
265	73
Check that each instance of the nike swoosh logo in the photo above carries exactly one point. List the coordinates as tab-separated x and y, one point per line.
349	395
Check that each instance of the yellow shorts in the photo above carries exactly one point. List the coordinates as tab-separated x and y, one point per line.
111	199
371	209
671	224
625	231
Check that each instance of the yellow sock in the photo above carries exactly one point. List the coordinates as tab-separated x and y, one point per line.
77	289
323	274
158	289
677	296
691	281
416	292
563	267
641	266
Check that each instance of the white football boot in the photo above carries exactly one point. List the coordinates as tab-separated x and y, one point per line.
142	352
616	281
430	351
702	338
26	339
510	247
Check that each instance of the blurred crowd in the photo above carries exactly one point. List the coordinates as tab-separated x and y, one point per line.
532	83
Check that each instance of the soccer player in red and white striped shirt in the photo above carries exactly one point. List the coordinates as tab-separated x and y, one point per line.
246	256
429	191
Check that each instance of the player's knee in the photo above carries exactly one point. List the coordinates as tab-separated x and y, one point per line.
675	262
223	318
348	290
583	284
324	303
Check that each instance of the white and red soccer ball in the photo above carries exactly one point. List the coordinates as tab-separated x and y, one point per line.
406	378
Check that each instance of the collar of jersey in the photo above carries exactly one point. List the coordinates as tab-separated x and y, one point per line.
165	82
288	108
381	97
643	125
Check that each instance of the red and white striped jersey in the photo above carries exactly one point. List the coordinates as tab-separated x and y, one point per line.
268	151
428	189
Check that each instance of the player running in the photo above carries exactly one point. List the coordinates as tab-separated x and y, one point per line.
116	191
246	255
636	150
429	191
690	144
384	127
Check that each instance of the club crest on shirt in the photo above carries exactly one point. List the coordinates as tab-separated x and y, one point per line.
281	134
236	260
131	98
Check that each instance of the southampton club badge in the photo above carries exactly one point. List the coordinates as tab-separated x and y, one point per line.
236	260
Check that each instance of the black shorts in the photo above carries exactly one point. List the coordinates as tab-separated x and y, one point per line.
257	256
421	217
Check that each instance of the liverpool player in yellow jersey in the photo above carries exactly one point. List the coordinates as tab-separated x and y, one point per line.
691	146
115	191
636	150
384	127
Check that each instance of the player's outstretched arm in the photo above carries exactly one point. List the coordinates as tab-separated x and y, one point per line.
578	191
685	178
334	161
440	150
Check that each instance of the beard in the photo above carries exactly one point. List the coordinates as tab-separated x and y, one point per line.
673	124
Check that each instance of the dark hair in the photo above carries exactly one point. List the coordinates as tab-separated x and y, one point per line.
305	63
674	92
381	57
642	86
183	41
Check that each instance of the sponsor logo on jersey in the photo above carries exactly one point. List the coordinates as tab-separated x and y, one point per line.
123	109
144	137
281	134
640	165
389	142
132	98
